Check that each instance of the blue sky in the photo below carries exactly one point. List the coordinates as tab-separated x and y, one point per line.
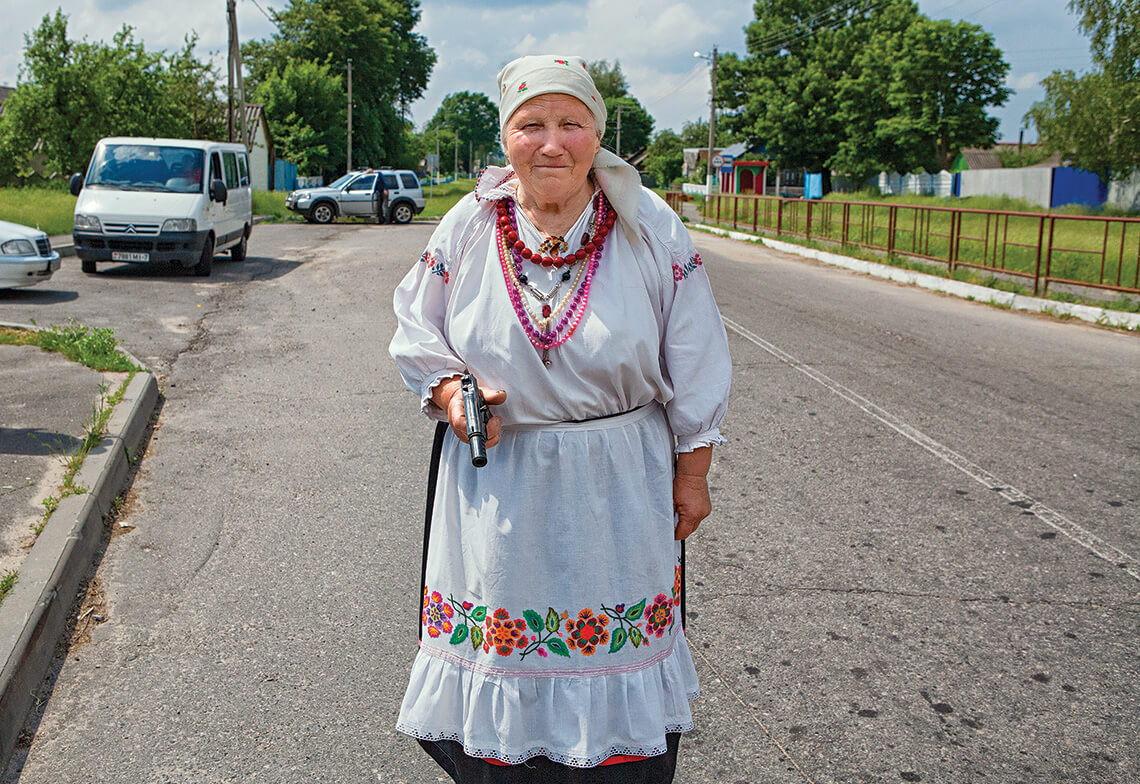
653	39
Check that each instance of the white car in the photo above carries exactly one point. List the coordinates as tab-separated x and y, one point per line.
356	194
26	257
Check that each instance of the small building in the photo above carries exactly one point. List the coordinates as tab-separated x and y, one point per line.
259	142
744	169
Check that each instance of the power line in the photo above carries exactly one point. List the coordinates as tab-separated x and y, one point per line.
828	18
265	14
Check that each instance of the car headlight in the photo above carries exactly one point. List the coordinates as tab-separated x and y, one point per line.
88	223
304	197
18	248
180	224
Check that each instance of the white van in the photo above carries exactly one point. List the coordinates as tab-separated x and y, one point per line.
149	200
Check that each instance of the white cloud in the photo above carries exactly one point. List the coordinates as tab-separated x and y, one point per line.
1023	81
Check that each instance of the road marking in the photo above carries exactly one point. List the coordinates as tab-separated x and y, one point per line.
1015	497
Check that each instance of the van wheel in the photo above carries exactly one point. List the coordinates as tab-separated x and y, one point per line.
323	213
237	252
206	260
402	213
88	266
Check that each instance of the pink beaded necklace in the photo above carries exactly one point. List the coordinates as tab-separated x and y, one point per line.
559	322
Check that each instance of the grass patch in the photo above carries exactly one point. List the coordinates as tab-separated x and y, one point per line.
964	274
272	203
7	583
93	433
51	210
1001	242
94	347
444	197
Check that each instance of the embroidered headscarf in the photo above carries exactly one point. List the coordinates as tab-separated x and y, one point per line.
527	77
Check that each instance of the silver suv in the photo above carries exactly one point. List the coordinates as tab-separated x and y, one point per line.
356	194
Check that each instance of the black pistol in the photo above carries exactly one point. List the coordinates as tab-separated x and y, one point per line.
477	414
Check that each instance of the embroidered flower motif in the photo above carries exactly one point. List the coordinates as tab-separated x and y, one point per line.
426	258
658	616
680	273
437	614
562	62
522	87
587	631
503	634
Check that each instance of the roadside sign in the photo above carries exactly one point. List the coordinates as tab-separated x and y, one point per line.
725	164
432	161
718	161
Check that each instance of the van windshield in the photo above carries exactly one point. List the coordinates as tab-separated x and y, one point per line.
145	167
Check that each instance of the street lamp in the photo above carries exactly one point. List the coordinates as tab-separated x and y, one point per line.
711	59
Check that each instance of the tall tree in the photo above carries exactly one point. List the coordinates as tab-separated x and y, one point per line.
609	79
1092	119
306	106
72	93
943	76
636	125
390	62
665	159
474	119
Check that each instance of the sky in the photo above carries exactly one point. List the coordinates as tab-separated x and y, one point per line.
654	40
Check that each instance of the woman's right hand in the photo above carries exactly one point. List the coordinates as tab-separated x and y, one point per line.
448	397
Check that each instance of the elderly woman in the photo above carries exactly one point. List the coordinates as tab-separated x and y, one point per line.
552	639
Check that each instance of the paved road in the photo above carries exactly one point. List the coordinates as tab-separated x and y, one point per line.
865	607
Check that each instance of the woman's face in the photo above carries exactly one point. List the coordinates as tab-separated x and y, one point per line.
551	141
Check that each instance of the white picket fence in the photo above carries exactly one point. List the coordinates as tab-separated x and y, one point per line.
921	184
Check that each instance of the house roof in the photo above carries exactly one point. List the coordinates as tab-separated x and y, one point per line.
254	114
977	158
5	91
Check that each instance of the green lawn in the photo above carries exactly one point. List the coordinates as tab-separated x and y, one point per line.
1000	242
445	196
48	209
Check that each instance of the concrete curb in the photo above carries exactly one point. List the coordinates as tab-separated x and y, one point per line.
957	288
36	612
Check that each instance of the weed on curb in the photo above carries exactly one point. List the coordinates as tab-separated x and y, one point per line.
7	583
94	431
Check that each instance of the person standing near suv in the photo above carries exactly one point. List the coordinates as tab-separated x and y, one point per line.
381	199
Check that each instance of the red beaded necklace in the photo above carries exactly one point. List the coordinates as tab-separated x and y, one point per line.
555	326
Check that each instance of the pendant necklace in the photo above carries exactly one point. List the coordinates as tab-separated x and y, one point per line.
558	321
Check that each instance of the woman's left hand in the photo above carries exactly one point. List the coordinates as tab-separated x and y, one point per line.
691	502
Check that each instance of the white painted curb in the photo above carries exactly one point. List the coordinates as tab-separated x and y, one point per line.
957	288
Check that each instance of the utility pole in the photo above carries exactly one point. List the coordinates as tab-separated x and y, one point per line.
457	156
619	131
349	112
230	71
235	75
712	119
470	155
436	177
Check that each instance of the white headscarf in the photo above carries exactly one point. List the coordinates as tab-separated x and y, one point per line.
527	77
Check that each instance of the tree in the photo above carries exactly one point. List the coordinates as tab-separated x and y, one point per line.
696	134
1093	119
390	63
474	119
857	86
665	158
636	125
609	79
72	93
448	146
306	106
942	77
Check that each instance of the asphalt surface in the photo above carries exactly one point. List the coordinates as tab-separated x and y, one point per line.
864	605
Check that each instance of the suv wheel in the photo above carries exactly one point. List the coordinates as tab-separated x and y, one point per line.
401	212
323	212
87	266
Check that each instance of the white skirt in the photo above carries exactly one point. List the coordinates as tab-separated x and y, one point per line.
551	623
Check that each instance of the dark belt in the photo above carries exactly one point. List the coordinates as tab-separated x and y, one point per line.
605	416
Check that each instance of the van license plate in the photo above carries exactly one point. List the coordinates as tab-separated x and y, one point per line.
122	255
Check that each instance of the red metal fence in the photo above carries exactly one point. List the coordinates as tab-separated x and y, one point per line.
1046	248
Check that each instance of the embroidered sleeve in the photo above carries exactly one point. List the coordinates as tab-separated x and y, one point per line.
694	345
420	346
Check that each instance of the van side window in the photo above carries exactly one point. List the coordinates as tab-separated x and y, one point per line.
410	181
243	169
215	167
230	160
